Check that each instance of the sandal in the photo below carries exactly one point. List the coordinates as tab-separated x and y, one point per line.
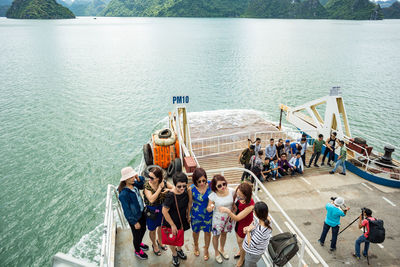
224	255
219	259
165	248
206	255
237	256
157	253
196	252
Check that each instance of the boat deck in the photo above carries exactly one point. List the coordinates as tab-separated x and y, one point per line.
303	197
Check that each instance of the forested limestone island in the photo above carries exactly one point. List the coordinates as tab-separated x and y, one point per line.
285	9
38	9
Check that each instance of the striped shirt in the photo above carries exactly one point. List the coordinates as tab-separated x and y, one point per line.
260	236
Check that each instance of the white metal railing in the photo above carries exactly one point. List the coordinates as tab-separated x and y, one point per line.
368	163
106	258
216	145
305	244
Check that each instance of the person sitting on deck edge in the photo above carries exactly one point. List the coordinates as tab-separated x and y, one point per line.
284	165
297	164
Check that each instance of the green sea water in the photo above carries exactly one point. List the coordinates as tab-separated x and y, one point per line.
78	98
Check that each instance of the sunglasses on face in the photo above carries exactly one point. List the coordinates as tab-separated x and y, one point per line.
202	181
180	186
221	185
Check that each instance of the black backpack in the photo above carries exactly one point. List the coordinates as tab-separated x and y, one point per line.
376	231
282	248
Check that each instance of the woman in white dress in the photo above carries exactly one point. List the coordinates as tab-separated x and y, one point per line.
222	196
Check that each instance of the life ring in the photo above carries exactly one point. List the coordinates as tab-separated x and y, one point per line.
148	154
174	167
163	141
166	133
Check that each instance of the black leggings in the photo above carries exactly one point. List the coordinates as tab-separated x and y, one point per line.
331	156
138	234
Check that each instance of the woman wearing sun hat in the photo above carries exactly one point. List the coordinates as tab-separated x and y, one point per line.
133	206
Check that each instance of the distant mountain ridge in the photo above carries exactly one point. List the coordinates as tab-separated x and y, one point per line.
301	9
285	9
392	12
85	7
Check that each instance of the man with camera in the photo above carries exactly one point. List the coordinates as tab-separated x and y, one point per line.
367	213
335	209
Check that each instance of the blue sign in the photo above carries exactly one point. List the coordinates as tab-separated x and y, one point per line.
180	100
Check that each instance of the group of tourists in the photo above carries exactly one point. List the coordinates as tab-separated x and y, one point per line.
211	207
280	159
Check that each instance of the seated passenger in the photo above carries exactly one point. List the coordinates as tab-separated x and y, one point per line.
266	171
284	165
297	164
274	166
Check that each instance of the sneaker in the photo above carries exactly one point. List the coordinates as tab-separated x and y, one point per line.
322	244
175	260
141	255
332	249
181	254
308	166
144	247
329	164
365	255
355	256
322	164
273	178
316	165
342	173
331	172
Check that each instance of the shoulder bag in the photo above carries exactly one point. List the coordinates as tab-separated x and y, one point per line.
167	237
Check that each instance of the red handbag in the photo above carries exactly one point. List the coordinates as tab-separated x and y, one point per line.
167	237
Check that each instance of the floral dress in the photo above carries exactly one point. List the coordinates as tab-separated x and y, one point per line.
200	218
221	222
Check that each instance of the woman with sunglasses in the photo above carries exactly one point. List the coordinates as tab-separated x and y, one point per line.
222	196
243	216
174	214
133	207
154	194
201	219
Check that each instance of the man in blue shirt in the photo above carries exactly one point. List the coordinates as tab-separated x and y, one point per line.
270	151
335	210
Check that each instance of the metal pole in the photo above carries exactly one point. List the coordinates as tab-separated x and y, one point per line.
280	120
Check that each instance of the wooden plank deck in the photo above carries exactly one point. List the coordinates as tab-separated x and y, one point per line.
226	160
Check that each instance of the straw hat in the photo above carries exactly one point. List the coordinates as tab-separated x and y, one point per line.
127	173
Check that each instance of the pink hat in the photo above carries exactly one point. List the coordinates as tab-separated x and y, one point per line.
126	173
